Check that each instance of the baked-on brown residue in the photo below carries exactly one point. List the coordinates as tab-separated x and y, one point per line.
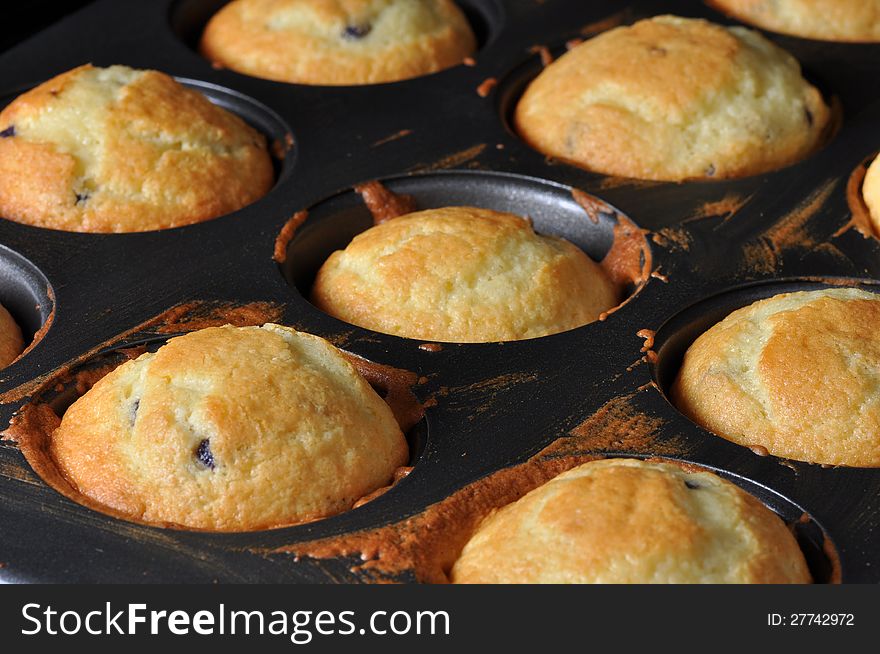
791	231
388	139
628	262
648	335
429	543
617	426
431	347
44	328
673	239
399	474
573	43
861	216
469	61
385	205
656	274
394	385
485	88
648	346
200	315
727	207
606	23
452	160
280	147
279	254
544	52
591	205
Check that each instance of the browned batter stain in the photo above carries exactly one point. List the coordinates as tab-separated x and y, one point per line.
613	182
544	52
384	204
591	205
573	43
399	474
44	328
612	21
200	315
760	450
395	386
628	262
789	232
656	274
860	219
280	147
759	257
617	426
485	88
431	347
469	61
429	543
282	241
648	346
452	160
673	239
727	207
394	137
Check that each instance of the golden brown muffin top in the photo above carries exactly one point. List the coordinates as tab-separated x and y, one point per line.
122	150
672	98
462	274
230	429
797	374
833	20
630	521
338	41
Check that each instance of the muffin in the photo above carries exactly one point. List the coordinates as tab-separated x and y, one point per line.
337	42
626	521
871	193
462	274
795	374
11	341
673	98
831	20
230	429
122	150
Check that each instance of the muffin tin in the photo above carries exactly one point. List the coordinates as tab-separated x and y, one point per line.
712	246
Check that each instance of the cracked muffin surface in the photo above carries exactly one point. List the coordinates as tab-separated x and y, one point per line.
230	429
797	374
623	521
123	150
338	42
672	98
